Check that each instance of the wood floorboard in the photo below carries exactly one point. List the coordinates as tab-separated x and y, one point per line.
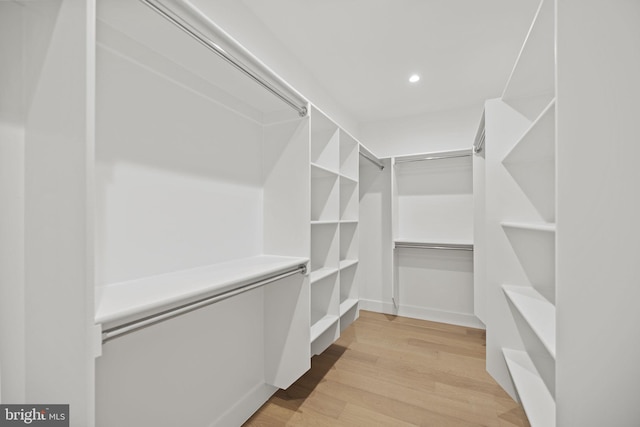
394	371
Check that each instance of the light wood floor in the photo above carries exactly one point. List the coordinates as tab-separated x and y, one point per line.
394	371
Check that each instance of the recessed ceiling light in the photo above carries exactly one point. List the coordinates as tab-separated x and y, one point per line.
414	78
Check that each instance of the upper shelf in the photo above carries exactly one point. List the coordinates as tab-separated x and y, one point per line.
531	163
534	72
124	301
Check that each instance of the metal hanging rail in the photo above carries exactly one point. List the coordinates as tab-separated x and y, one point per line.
442	246
136	325
434	156
246	64
372	160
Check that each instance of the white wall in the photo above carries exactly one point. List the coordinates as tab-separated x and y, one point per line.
12	202
243	25
597	213
436	131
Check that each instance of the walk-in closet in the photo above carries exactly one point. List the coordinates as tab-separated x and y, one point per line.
227	213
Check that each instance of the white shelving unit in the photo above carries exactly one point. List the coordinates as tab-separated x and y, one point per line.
521	232
334	231
432	217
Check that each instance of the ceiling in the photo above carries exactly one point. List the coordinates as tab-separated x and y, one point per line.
363	51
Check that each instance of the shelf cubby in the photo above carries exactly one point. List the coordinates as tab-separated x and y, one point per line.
537	311
348	241
325	141
324	298
348	199
325	315
348	284
325	247
538	403
348	156
325	194
531	163
534	246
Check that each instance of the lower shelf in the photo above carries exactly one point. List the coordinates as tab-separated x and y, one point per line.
538	404
322	325
347	305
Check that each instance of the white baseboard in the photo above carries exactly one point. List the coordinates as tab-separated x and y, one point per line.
246	407
422	313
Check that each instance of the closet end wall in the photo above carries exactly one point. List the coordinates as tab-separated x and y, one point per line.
417	237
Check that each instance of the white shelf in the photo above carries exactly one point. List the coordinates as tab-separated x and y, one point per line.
538	403
320	274
323	325
319	171
539	313
333	222
347	305
533	226
349	221
348	179
346	263
136	298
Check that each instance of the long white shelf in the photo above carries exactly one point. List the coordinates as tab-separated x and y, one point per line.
348	179
539	313
347	305
322	325
538	403
533	226
346	263
320	274
136	298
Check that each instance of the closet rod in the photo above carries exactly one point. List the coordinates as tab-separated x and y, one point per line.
444	246
435	156
372	160
145	322
288	96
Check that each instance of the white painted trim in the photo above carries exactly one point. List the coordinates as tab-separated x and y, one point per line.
246	407
460	319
